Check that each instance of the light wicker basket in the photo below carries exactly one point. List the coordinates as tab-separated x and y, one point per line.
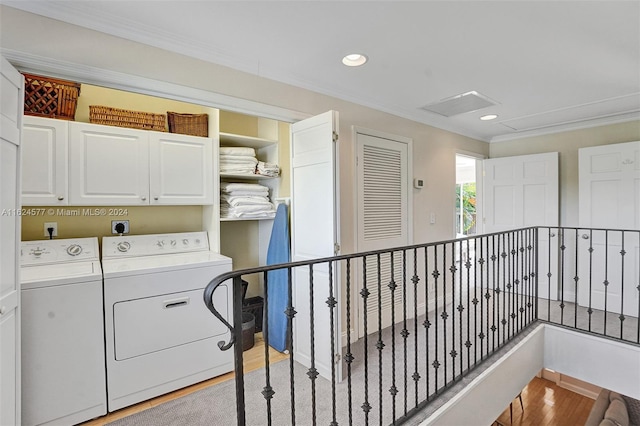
188	124
50	97
99	114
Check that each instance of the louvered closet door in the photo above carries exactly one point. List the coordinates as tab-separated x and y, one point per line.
383	222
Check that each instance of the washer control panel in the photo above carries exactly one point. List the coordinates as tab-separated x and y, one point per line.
58	251
150	245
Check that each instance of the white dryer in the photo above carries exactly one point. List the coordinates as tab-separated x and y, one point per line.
63	372
160	336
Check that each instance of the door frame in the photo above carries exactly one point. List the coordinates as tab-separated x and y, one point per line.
355	131
479	188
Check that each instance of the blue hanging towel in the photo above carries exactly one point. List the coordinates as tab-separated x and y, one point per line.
277	287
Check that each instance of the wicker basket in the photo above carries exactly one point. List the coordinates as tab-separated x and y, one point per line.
125	118
50	97
188	124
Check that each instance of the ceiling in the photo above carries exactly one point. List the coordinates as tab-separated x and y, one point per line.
546	66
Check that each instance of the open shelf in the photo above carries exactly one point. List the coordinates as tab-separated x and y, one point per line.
232	139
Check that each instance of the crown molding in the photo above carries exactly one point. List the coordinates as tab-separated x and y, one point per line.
116	80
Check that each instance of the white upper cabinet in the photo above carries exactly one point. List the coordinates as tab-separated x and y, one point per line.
45	168
108	165
181	169
120	166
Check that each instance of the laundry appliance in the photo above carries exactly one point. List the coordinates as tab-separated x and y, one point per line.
63	364
160	336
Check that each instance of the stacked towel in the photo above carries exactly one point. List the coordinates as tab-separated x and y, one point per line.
238	160
245	200
268	169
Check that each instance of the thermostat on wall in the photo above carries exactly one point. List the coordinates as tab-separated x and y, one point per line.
418	183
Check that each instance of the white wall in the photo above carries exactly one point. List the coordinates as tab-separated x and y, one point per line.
607	363
567	144
600	361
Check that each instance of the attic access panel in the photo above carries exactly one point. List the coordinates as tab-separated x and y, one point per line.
460	104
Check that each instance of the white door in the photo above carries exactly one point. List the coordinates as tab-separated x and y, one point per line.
522	191
108	165
609	179
181	169
45	166
11	107
314	234
383	222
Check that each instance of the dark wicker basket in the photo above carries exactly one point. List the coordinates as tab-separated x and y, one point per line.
50	97
125	118
188	124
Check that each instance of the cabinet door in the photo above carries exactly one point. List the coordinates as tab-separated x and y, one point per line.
181	169
11	102
44	162
108	165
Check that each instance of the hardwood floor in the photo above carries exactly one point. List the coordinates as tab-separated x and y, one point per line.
546	403
253	360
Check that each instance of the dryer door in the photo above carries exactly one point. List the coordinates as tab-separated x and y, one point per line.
152	324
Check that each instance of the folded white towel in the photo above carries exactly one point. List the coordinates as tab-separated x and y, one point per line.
268	169
245	187
246	200
237	150
238	159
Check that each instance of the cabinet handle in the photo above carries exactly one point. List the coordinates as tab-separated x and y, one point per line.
585	236
144	198
60	198
155	198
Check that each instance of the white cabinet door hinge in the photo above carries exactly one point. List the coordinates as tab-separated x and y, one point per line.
336	249
335	137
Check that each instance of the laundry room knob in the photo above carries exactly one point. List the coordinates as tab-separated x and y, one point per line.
585	236
143	198
155	198
60	198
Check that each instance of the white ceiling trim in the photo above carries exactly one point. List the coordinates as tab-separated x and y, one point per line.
566	127
132	83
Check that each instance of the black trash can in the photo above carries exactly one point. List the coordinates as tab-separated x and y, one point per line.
248	330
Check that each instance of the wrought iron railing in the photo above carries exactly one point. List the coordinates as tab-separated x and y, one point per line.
413	321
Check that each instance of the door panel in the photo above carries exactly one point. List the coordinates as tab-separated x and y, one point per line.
523	191
383	221
609	177
11	108
314	234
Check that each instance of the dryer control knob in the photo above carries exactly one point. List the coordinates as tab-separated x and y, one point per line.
74	250
123	246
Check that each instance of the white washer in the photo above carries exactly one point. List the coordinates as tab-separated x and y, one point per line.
160	334
63	366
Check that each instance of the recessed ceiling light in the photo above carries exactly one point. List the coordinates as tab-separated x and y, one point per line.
354	60
489	117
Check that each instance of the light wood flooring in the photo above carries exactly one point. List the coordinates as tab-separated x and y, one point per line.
253	360
546	403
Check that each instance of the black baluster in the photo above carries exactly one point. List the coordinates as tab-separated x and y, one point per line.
590	309
267	391
312	373
606	277
349	356
622	317
332	303
436	274
416	280
290	313
562	272
366	406
576	279
392	287
237	350
380	344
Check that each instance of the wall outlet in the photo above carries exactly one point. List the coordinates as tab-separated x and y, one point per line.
119	226
53	225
